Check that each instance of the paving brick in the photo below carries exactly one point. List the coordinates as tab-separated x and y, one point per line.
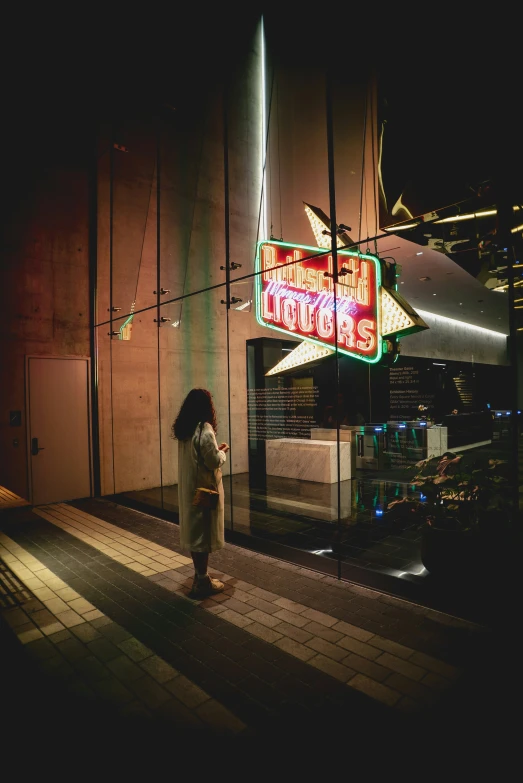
265	594
98	622
422	693
242	595
94	615
364	666
263	632
111	690
319	617
104	649
15	617
60	636
292	606
33	605
72	649
327	648
69	618
28	633
436	681
352	630
91	668
360	648
86	633
237	606
214	609
237	619
112	631
55	605
241	585
124	669
263	606
222	720
291	617
402	667
262	668
393	647
323	632
52	628
67	594
376	690
134	649
334	668
265	619
295	648
435	665
43	593
298	634
186	691
160	670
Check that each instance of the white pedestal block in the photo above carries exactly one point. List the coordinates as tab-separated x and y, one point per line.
321	433
307	460
436	441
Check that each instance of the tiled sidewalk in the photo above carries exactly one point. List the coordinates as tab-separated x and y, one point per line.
96	595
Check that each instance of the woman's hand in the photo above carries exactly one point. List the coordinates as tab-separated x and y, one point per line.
223	447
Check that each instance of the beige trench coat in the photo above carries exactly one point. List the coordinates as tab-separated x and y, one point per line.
201	530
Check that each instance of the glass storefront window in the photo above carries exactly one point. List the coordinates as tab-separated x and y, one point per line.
330	382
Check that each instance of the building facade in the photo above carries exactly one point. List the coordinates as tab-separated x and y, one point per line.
143	260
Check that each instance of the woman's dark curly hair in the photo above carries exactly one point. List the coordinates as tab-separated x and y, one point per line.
197	406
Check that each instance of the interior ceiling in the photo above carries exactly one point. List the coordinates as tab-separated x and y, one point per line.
451	291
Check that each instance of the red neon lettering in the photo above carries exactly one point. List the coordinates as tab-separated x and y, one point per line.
266	309
346	331
289	316
306	317
324	324
277	309
366	330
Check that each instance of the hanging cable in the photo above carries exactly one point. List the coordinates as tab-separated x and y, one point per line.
265	156
154	171
363	164
270	178
372	127
192	223
279	157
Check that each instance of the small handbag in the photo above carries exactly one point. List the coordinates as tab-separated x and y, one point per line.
203	496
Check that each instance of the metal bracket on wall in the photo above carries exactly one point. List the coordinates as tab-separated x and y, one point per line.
161	320
233	266
162	291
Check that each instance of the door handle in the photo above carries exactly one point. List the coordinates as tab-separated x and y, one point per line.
35	448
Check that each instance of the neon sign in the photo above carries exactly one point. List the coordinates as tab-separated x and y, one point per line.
296	296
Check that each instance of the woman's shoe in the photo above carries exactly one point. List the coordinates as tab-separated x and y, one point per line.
202	588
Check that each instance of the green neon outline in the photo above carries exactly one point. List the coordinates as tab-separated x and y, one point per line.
122	327
316	340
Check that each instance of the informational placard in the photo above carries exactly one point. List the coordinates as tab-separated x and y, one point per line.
281	412
295	294
408	389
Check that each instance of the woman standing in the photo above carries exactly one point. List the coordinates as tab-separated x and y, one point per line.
199	462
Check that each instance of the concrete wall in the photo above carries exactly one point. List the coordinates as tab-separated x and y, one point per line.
149	375
44	295
457	341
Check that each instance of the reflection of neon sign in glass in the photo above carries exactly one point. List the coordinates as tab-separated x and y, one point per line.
298	298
